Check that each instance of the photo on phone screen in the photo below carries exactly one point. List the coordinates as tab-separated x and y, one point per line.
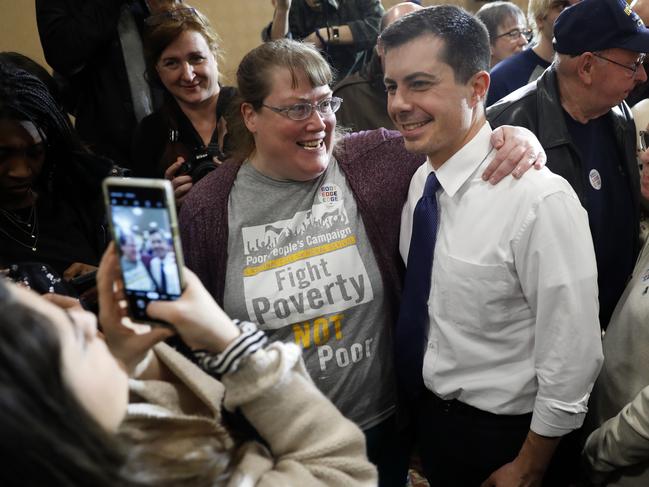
144	228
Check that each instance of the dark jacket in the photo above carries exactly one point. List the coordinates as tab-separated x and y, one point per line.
71	212
167	133
362	16
537	107
81	43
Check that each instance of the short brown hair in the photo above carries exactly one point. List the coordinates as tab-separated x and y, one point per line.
159	35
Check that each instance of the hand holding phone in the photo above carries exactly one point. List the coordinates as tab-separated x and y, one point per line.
142	216
84	282
199	321
128	342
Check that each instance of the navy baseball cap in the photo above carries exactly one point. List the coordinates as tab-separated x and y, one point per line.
596	25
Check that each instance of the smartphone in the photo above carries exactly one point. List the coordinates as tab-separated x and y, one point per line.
84	282
144	225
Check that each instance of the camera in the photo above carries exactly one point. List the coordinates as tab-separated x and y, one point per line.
198	164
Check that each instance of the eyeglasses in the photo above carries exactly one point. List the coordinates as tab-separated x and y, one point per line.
176	14
514	34
33	152
633	69
302	111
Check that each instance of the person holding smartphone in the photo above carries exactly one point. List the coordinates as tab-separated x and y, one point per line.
67	421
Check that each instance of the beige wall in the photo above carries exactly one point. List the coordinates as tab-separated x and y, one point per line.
238	22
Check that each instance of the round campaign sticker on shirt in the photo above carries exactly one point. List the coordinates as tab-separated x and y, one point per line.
330	194
595	179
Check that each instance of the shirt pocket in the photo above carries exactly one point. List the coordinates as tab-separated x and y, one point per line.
474	296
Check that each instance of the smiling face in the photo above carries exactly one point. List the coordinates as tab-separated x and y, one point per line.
285	149
435	115
22	154
504	45
188	70
129	248
88	368
158	245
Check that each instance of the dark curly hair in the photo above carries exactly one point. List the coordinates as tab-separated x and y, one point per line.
69	168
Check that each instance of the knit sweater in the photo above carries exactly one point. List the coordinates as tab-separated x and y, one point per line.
309	441
378	169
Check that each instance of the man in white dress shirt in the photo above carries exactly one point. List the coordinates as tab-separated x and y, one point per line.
163	264
512	343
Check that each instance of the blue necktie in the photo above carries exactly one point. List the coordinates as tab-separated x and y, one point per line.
163	277
412	325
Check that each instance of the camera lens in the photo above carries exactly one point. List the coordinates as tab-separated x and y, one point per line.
202	169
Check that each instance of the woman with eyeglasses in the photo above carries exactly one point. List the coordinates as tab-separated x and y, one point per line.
508	32
51	211
302	237
526	66
68	421
185	139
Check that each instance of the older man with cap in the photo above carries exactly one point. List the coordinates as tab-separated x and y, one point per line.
577	110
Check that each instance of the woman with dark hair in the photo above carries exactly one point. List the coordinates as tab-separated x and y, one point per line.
50	205
185	139
64	398
48	438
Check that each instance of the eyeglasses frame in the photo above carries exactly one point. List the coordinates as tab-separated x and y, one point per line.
314	106
636	64
527	33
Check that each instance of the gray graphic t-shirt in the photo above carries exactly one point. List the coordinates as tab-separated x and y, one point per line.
300	266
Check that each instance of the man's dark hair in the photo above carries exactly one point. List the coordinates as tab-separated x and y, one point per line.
466	41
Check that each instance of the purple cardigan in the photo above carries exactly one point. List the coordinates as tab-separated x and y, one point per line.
378	169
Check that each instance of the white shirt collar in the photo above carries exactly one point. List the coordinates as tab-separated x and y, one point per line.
457	170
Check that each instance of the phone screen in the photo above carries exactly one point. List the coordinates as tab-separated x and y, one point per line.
147	246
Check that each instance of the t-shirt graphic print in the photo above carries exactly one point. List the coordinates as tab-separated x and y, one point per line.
301	267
